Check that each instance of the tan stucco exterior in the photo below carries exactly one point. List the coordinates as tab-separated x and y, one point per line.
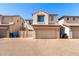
48	19
17	25
71	25
14	24
48	29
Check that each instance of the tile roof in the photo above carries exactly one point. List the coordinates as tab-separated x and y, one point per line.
44	12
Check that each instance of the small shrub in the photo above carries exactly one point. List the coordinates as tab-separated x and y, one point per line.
65	36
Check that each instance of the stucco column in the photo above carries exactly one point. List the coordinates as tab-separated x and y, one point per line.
25	34
58	35
7	34
34	34
70	34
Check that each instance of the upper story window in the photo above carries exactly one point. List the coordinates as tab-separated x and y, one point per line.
41	18
51	18
74	18
67	18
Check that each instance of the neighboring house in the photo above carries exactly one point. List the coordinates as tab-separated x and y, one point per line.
45	25
70	26
29	21
9	24
28	24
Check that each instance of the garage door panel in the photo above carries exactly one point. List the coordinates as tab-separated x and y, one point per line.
75	34
3	33
46	34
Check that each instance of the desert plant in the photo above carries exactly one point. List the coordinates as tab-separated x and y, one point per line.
65	36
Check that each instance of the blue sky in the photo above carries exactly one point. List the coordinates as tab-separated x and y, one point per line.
26	10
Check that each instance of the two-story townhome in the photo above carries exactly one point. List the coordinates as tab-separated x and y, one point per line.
9	24
70	25
45	25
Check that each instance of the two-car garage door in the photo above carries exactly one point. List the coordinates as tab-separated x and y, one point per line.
75	32
46	34
3	33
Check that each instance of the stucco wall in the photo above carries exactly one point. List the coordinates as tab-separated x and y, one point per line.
7	20
52	19
0	19
26	34
17	24
71	20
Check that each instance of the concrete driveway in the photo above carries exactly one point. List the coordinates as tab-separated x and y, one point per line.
39	47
